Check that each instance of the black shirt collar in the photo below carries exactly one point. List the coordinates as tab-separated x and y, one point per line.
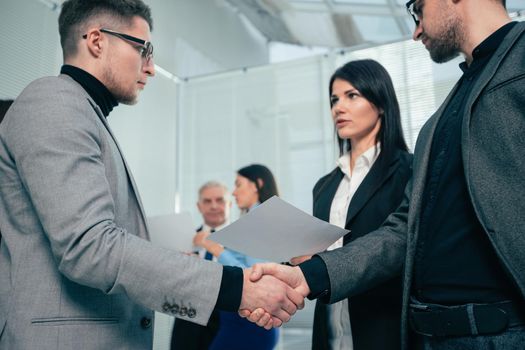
98	91
487	47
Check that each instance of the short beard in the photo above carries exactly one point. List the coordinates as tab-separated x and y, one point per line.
448	45
116	90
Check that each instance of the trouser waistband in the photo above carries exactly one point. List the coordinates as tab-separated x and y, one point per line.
462	320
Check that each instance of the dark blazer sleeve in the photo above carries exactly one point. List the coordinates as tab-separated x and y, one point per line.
372	258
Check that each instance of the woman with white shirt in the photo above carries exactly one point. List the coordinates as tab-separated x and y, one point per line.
364	188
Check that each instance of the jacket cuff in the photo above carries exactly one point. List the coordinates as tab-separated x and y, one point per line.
316	275
230	292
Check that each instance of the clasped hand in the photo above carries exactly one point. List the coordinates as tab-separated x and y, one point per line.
272	293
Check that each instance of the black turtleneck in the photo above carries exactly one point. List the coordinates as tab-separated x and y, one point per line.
98	91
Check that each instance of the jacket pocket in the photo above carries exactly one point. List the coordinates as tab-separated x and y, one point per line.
61	321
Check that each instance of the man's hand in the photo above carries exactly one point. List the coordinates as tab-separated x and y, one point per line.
277	300
292	276
200	238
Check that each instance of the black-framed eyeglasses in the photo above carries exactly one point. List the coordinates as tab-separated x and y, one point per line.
144	47
414	11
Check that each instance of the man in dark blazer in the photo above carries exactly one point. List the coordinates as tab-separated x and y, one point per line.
214	205
77	270
459	232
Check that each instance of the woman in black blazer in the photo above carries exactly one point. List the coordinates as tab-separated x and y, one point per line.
359	194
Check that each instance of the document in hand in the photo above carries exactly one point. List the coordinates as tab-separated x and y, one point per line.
278	231
172	231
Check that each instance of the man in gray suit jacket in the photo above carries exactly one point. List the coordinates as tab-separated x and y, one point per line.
459	234
76	268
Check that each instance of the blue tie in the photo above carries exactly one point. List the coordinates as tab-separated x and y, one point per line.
208	255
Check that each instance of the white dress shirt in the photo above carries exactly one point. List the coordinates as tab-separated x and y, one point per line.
339	329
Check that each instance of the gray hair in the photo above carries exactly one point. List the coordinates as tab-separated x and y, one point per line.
213	183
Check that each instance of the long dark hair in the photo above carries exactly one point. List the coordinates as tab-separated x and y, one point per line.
373	82
254	172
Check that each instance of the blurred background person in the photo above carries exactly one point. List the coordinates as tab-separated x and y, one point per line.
254	184
214	204
364	188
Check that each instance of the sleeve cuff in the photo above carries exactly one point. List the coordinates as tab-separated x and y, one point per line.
230	292
316	275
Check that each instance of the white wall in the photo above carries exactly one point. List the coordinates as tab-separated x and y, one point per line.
29	42
275	115
146	133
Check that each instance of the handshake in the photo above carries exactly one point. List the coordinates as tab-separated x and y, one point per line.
272	293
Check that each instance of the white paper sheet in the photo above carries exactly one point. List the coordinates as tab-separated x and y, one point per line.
172	231
278	231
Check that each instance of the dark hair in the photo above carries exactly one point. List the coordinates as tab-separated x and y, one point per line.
4	106
254	172
373	81
75	14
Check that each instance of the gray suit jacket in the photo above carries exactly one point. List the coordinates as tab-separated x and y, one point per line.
492	145
76	268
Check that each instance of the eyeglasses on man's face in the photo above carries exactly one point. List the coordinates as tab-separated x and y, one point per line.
414	9
144	47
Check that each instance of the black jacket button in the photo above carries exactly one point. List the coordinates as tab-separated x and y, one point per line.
145	322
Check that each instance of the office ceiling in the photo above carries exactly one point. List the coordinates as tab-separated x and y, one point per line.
333	23
327	23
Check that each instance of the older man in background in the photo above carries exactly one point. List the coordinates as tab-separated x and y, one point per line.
214	205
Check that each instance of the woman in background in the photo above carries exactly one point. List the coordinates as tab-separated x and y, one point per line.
254	184
364	188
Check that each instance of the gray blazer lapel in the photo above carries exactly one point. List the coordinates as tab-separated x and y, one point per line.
421	158
481	83
130	176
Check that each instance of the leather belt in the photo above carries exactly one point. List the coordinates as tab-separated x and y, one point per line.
463	320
